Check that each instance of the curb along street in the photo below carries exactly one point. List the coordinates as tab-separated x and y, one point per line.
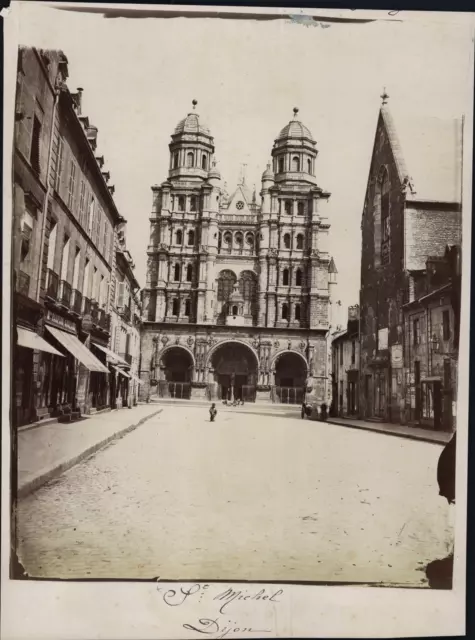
34	483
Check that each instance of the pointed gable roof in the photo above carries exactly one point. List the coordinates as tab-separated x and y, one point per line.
428	155
243	195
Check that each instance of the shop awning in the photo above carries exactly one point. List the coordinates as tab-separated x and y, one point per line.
121	371
113	356
78	350
32	340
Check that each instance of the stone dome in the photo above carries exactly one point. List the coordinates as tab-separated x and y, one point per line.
295	129
192	124
268	173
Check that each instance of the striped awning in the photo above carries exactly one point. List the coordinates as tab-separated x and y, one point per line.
111	355
78	350
121	371
32	340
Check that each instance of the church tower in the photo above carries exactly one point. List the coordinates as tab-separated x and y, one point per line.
183	234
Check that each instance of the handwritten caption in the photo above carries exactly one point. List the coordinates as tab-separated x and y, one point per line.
220	622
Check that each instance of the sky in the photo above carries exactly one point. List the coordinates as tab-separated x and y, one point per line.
140	76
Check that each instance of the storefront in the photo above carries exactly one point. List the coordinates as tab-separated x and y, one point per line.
431	402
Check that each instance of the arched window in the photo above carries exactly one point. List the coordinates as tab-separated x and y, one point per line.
309	166
175	307
187	307
285	311
226	281
228	237
179	236
288	207
175	160
181	203
300	208
189	273
295	163
193	203
298	277
250	240
281	165
191	238
176	273
248	289
297	312
287	240
285	277
235	310
220	241
190	159
238	239
385	218
204	161
299	241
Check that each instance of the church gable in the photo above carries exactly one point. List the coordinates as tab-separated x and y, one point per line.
240	202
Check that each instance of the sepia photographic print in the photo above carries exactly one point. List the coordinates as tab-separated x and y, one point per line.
236	350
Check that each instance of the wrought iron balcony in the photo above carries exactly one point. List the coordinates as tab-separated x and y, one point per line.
95	311
23	283
65	293
127	357
76	303
53	285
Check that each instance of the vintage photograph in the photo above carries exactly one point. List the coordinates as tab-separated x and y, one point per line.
236	297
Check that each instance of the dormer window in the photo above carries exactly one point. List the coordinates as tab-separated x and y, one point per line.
190	159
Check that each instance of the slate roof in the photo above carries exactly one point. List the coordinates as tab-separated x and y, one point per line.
428	154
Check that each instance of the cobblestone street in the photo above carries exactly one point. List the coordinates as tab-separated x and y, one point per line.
250	497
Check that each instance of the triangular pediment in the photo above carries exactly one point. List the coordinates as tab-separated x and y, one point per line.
240	202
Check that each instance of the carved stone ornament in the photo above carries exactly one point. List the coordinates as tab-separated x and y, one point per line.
163	246
276	344
204	249
255	343
302	345
314	253
289	345
190	341
273	252
165	339
177	340
211	341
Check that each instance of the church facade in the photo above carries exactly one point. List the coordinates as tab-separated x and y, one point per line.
237	296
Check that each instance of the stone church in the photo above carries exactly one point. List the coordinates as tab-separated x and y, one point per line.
237	297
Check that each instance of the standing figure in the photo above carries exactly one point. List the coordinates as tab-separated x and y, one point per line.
212	412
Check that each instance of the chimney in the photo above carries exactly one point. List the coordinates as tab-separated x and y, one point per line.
106	175
91	133
79	99
100	161
111	189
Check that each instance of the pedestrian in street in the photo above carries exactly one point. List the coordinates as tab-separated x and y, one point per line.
212	412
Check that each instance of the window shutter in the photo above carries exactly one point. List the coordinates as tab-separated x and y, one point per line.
120	294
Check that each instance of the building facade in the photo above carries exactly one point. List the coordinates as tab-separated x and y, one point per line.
126	320
65	222
412	210
236	303
345	367
431	354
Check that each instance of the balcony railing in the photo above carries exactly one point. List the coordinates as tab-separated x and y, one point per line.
23	283
76	303
87	306
65	293
95	311
53	285
127	357
104	320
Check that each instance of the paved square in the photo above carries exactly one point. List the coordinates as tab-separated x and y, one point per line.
249	497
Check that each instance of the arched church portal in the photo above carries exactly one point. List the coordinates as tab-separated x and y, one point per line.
290	375
177	365
235	372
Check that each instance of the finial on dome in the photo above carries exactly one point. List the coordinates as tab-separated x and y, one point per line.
194	103
295	112
384	97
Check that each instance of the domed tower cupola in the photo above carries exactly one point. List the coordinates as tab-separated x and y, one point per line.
191	148
294	153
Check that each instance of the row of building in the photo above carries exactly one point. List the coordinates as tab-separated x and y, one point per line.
76	305
396	360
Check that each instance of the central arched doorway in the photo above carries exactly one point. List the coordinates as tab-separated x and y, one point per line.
235	372
290	377
176	369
